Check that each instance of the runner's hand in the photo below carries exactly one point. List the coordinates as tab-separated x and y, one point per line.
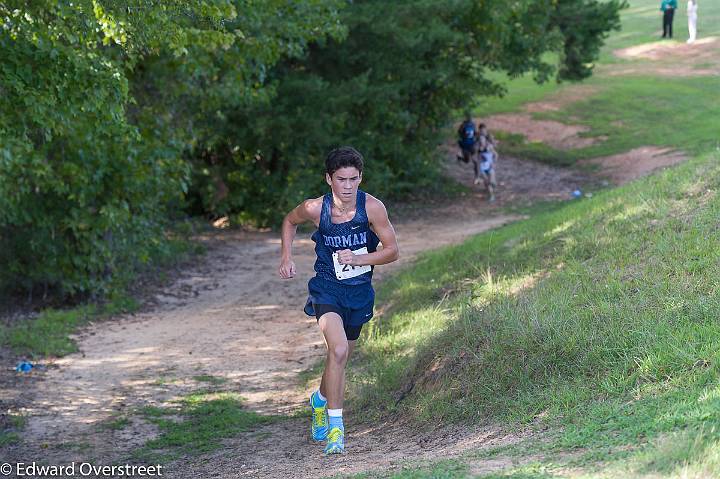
345	256
287	269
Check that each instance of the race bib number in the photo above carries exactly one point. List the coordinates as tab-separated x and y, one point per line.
346	271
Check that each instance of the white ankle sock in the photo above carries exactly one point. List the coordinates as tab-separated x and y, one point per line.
335	418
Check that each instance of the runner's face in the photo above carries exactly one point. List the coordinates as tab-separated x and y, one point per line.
344	182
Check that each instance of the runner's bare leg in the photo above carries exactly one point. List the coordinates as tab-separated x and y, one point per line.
339	349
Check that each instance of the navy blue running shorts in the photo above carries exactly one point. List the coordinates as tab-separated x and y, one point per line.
353	303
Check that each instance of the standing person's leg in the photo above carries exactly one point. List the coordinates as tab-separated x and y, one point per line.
670	21
665	23
692	26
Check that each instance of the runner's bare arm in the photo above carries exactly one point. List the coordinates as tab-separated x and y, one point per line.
308	210
380	224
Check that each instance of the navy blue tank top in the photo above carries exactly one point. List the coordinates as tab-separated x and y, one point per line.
352	235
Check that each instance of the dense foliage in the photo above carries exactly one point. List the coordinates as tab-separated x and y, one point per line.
114	115
389	87
88	171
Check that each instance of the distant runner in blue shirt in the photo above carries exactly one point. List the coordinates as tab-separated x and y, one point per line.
350	225
468	141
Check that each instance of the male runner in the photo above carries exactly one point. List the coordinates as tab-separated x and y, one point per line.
467	140
350	224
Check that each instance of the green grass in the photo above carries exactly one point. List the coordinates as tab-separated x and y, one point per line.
679	113
601	315
449	469
519	91
9	432
49	333
207	378
642	23
457	469
630	112
116	424
517	146
197	424
310	374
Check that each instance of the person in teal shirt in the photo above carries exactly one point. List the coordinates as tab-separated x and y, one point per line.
668	8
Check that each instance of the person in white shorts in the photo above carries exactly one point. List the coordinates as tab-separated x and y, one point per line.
692	20
488	157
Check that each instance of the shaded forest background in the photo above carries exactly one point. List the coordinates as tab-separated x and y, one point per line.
119	118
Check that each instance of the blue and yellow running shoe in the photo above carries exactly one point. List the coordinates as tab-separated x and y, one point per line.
335	441
319	425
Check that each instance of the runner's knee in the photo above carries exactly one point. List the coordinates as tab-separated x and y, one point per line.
339	352
330	321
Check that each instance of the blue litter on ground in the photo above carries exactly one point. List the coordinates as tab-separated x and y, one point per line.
24	367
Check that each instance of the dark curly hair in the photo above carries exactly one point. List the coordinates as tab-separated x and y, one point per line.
342	157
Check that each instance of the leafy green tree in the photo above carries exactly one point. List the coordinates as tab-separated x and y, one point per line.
91	142
389	87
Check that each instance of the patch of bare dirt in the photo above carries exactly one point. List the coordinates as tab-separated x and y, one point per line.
559	100
385	446
669	58
559	135
520	180
553	133
635	163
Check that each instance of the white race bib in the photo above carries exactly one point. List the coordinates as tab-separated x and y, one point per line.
346	271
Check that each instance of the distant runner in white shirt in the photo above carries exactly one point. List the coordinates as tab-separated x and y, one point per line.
488	156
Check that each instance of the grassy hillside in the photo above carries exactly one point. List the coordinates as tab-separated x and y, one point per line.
595	321
630	111
601	317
